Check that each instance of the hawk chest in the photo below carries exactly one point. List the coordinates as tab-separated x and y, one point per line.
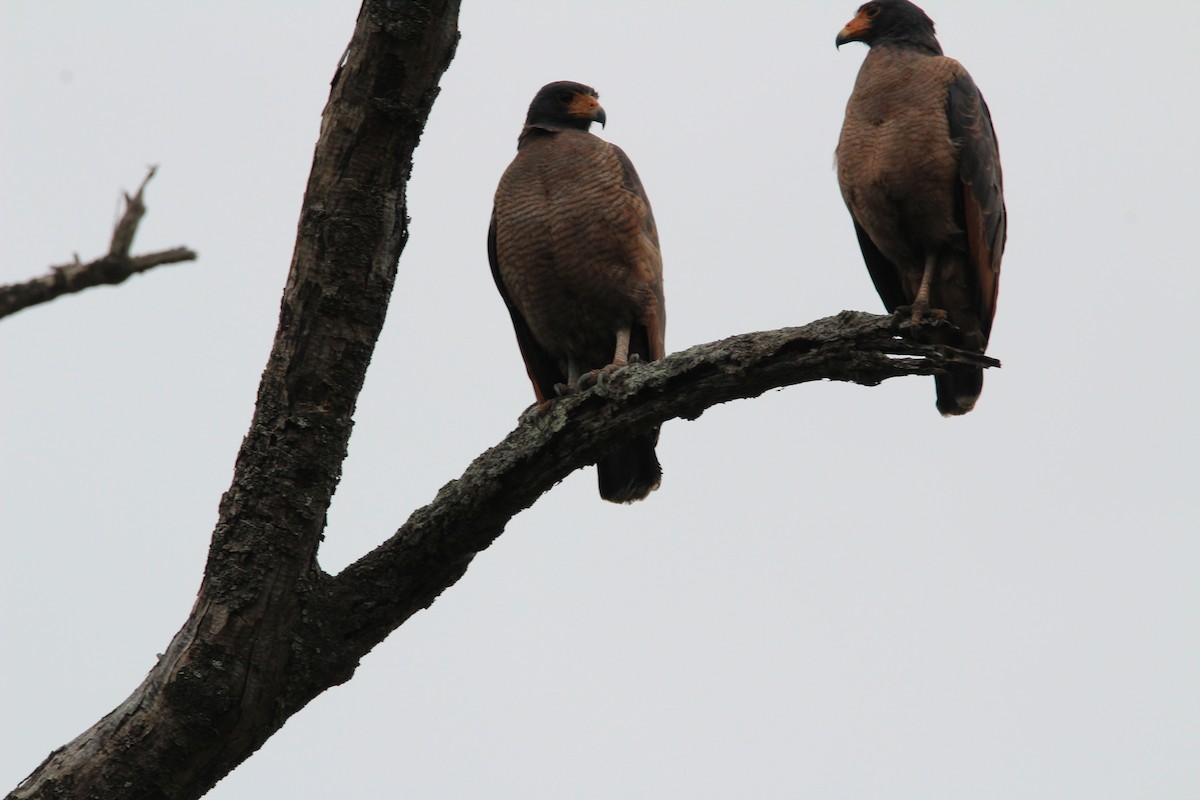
895	154
569	241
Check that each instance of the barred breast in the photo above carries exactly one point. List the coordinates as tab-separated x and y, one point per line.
897	164
572	248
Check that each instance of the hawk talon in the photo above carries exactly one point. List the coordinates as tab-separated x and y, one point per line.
596	377
917	312
587	380
908	320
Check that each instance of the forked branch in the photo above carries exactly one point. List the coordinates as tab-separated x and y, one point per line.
113	267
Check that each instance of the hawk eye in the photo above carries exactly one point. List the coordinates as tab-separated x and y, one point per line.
565	97
872	11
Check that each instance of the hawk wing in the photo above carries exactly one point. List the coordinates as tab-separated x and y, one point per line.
981	192
543	369
649	339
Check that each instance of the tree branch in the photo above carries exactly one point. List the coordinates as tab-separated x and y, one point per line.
114	267
126	227
236	671
433	549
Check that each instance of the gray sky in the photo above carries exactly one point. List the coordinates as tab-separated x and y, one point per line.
836	593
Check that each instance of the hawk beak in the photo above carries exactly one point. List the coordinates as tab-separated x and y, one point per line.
588	107
854	31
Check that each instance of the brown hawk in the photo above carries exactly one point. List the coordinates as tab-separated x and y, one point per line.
919	169
574	252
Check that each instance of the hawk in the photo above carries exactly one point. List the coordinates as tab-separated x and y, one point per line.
919	169
574	252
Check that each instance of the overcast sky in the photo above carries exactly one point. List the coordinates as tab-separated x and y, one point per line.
836	593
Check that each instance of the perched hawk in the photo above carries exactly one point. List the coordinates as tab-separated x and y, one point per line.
919	169
574	252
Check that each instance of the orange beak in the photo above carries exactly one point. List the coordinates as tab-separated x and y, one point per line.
854	31
588	107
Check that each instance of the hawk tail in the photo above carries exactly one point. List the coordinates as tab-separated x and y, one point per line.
630	471
957	394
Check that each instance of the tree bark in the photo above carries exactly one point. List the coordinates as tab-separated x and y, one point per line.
241	664
270	630
432	550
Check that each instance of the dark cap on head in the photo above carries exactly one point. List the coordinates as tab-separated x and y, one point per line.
565	104
890	22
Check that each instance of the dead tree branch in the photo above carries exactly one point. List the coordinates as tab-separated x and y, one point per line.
114	267
431	551
239	668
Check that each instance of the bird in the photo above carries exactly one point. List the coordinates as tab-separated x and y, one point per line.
919	169
574	251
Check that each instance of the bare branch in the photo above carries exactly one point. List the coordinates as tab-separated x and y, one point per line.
112	268
432	550
151	260
126	228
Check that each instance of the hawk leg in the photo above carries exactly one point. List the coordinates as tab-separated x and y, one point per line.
621	356
596	377
920	305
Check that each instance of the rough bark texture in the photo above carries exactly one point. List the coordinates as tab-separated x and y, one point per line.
245	661
431	551
114	267
270	630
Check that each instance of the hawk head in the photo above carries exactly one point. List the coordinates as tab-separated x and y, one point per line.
890	22
565	104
